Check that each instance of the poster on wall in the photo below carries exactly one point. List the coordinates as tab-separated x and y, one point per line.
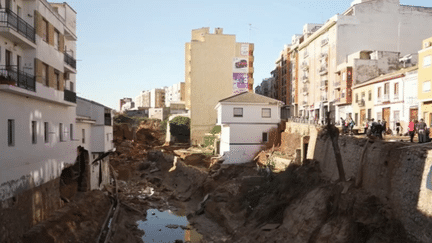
240	83
240	65
244	50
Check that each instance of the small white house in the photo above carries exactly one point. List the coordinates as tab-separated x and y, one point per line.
95	134
246	120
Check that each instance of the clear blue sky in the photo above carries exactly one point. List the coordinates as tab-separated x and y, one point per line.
128	46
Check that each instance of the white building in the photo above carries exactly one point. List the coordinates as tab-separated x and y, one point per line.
37	96
95	134
143	99
246	120
175	93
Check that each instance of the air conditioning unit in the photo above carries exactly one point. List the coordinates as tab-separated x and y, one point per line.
66	75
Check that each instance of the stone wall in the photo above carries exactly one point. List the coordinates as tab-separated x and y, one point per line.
398	173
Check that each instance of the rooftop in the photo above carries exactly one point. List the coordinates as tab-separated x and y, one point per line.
247	97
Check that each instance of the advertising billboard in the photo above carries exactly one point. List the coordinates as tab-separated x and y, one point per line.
240	82
240	65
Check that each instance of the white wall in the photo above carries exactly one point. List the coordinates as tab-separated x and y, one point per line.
37	163
251	114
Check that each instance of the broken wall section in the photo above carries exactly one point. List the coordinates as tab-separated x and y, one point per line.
398	173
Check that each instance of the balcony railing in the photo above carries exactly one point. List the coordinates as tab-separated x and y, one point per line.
361	103
304	66
11	75
323	70
69	96
69	60
304	103
386	97
10	19
305	79
323	97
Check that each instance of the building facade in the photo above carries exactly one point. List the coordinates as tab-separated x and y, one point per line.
143	99
175	93
94	124
424	80
216	66
316	55
37	93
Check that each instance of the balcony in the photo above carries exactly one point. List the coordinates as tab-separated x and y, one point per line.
15	28
323	98
305	66
69	96
69	60
305	89
304	102
305	79
12	76
361	103
386	97
324	84
336	84
324	42
323	70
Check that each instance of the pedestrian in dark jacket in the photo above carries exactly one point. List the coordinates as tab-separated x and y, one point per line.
421	128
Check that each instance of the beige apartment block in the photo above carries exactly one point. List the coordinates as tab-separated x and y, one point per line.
216	66
143	99
383	25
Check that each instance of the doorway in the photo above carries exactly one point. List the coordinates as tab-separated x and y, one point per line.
386	114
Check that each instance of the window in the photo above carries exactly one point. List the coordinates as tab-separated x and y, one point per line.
45	28
265	137
71	132
369	113
379	93
238	112
61	132
34	132
83	136
265	112
386	88
46	132
426	86
363	95
45	71
56	40
356	98
11	132
57	78
427	61
370	95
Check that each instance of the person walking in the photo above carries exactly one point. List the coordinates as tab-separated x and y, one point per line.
411	130
421	131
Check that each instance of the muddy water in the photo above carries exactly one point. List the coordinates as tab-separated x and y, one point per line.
167	226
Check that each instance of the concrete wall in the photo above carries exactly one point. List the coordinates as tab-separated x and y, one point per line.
398	173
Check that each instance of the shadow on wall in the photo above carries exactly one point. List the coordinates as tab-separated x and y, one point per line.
397	173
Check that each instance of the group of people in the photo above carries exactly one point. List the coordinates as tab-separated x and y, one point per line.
375	128
420	128
347	125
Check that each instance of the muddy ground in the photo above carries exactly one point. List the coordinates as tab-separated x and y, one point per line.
242	203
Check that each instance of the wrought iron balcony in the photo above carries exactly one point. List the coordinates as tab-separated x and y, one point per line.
69	96
11	75
10	19
69	60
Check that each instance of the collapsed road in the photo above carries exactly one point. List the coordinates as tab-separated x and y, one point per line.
204	200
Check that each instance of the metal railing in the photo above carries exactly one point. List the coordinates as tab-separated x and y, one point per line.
303	120
10	19
323	70
11	75
70	60
69	96
361	103
386	97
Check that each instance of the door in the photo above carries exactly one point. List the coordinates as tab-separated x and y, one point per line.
386	114
8	59
362	117
413	114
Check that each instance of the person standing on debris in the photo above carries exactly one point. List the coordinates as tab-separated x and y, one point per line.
421	131
351	125
411	130
384	126
398	128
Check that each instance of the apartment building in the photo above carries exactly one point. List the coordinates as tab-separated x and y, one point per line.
95	133
424	80
394	28
391	97
157	98
175	94
38	104
216	66
143	99
126	104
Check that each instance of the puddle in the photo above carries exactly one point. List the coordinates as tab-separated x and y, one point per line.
156	230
